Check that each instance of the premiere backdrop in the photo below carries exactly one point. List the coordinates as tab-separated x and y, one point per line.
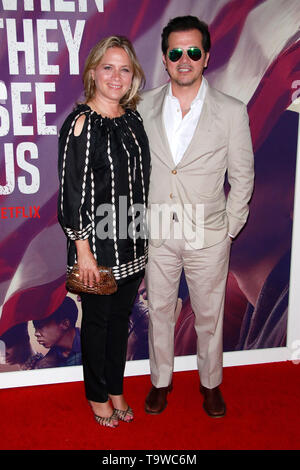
255	57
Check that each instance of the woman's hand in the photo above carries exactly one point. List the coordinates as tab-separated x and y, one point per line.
88	270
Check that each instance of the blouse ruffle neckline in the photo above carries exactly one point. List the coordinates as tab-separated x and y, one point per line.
86	107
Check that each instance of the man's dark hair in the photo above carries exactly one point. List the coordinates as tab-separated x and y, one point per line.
185	23
66	311
16	335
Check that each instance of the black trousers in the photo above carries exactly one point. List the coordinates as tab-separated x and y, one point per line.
104	336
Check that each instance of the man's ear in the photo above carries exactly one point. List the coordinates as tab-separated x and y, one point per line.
164	61
65	324
206	59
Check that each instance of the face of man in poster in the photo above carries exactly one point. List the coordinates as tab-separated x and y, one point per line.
267	233
260	257
49	334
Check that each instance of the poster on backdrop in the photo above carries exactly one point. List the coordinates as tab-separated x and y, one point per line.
44	47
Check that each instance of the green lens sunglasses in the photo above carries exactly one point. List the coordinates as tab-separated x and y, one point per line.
194	53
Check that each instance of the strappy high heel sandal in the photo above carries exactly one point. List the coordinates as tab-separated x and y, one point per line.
124	415
109	422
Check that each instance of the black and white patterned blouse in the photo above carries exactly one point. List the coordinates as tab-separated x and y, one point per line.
104	181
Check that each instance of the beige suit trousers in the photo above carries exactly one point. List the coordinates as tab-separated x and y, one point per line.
206	273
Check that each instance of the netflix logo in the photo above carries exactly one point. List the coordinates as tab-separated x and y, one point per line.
31	212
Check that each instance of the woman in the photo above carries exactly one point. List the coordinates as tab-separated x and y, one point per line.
104	163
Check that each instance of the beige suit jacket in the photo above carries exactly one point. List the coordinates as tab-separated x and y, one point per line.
194	189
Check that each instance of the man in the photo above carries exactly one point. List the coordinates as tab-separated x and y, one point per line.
18	349
59	334
196	134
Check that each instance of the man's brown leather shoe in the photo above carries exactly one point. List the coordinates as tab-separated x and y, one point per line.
213	403
156	400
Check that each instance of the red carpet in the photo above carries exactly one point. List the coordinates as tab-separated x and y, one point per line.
263	403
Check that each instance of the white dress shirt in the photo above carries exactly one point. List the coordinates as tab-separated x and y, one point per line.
181	130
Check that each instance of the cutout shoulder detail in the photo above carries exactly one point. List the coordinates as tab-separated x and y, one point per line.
79	125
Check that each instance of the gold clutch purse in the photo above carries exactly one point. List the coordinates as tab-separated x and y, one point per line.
106	286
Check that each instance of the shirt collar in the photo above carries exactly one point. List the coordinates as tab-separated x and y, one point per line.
200	95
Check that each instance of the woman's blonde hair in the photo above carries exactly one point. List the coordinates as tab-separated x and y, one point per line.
132	97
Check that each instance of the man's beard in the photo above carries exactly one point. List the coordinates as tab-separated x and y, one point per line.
183	84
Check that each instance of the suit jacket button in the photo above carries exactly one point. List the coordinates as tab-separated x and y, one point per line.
174	172
171	196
